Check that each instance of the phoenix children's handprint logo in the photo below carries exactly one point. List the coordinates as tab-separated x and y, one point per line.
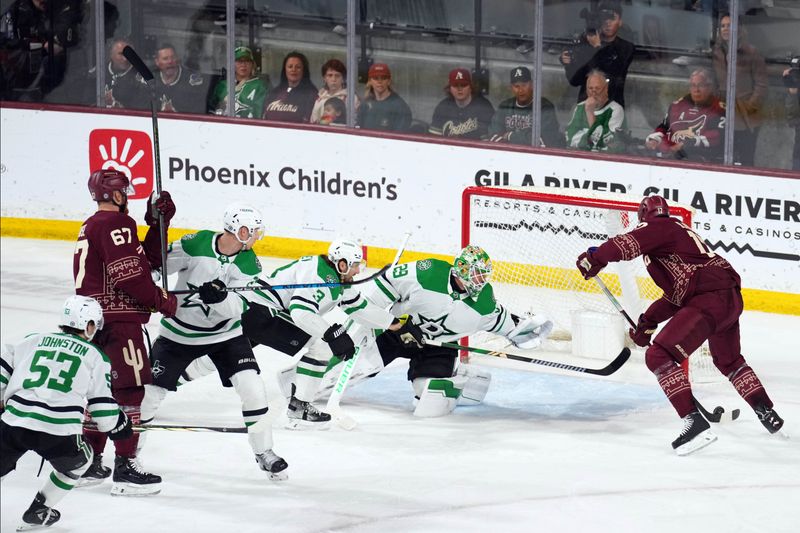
128	151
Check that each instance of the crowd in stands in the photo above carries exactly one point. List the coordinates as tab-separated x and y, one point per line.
597	65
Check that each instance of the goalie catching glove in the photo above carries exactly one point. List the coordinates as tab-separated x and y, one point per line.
530	331
340	342
123	429
410	334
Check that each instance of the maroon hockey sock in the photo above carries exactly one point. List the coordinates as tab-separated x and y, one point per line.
676	386
130	401
750	388
95	439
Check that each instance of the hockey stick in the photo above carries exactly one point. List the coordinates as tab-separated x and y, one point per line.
163	427
332	407
607	370
264	285
137	63
719	414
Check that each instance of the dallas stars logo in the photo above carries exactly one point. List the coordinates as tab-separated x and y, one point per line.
193	300
434	327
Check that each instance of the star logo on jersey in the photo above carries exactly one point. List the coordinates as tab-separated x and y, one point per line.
193	300
434	327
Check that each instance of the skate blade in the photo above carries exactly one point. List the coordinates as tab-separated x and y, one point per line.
30	527
305	425
698	443
89	482
278	476
132	489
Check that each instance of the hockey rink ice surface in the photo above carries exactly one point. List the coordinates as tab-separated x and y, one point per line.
545	452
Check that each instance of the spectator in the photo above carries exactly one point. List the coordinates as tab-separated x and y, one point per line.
123	89
250	90
595	120
334	76
693	126
383	108
178	89
464	113
751	88
334	112
791	77
514	117
601	48
34	46
293	99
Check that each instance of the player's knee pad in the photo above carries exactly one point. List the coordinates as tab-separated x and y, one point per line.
476	386
656	357
437	396
251	391
685	333
73	466
153	396
732	368
202	366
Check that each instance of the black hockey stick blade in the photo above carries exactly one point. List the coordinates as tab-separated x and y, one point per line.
215	429
718	415
134	59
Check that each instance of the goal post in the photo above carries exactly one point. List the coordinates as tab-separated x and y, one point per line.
534	237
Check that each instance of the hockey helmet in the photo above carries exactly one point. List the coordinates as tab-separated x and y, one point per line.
103	183
79	311
651	207
474	268
238	216
348	250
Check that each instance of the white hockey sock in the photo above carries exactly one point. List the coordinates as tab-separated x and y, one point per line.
253	395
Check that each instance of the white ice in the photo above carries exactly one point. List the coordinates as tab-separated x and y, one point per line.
545	452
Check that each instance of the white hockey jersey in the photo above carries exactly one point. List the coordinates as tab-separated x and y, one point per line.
423	289
196	260
46	379
305	306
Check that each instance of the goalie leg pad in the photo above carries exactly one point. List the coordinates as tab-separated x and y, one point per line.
437	396
368	364
477	385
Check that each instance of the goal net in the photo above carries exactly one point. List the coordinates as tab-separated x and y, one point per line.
535	235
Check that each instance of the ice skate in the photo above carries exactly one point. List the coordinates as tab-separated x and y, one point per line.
273	465
95	474
769	418
696	434
303	415
130	480
38	515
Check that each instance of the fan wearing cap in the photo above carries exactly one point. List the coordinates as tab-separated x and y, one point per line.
293	99
601	49
250	90
177	88
514	117
382	108
464	112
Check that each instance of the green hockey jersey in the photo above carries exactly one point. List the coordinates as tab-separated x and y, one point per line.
196	260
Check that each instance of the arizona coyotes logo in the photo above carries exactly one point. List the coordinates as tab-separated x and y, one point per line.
688	129
133	358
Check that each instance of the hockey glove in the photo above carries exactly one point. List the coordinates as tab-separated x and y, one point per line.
123	430
167	303
589	265
340	342
410	334
212	292
643	332
159	204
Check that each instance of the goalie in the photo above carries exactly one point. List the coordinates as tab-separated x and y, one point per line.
444	302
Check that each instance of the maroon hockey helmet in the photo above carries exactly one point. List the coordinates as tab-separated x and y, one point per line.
103	183
651	207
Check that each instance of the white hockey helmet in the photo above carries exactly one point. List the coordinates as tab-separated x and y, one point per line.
241	215
347	249
79	311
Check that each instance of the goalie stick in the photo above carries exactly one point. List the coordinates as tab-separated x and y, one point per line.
137	63
332	407
719	414
607	370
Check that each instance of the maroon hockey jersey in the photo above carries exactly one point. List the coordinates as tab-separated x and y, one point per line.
701	129
110	265
676	258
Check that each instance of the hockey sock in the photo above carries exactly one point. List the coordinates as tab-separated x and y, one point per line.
93	436
676	387
253	395
749	387
130	401
308	377
59	483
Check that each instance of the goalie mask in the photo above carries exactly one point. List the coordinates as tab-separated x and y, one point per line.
348	250
474	268
239	216
79	311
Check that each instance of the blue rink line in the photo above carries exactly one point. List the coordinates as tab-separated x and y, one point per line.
527	395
